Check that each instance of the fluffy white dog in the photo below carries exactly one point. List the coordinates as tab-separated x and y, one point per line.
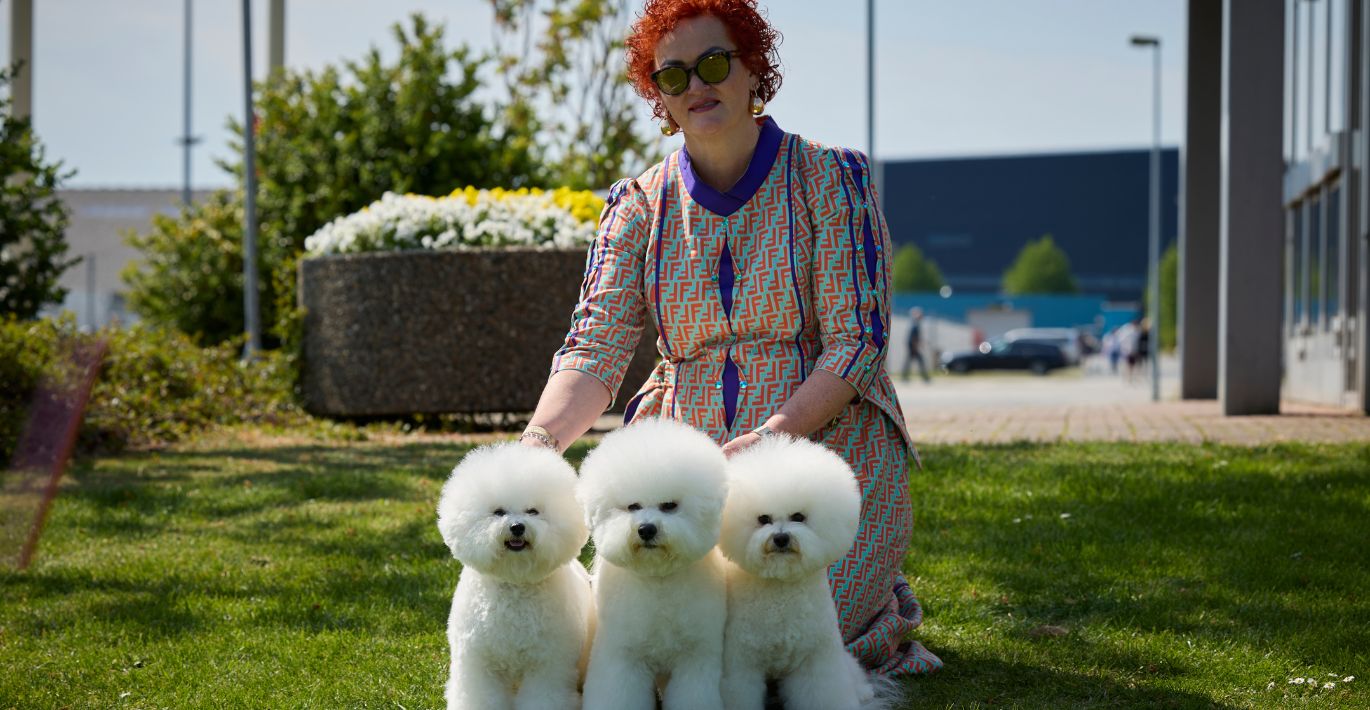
523	614
793	510
653	494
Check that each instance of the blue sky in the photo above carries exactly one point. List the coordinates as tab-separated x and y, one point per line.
955	77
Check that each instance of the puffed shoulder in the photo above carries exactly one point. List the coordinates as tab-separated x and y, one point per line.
831	157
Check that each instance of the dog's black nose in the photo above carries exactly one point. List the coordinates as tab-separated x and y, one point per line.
646	531
781	540
516	529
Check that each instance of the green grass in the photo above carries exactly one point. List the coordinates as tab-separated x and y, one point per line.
310	574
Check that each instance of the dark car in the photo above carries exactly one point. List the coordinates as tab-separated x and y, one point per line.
999	354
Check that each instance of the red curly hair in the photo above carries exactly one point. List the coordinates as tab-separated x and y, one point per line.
756	42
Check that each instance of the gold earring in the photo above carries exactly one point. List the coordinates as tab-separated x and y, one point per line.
668	128
758	106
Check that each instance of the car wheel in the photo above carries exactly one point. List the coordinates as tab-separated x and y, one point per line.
1039	367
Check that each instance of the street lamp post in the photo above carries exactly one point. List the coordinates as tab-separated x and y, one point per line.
877	174
1154	249
250	309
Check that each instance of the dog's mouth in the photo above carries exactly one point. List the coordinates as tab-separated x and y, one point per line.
517	544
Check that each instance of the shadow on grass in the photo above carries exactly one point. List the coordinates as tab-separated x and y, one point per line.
994	682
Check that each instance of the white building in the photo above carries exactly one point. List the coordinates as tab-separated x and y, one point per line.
100	221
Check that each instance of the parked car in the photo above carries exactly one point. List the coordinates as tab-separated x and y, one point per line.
1067	339
1001	354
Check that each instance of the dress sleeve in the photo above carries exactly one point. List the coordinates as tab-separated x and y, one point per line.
607	321
850	270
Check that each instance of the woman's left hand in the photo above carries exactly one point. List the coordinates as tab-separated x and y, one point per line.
740	444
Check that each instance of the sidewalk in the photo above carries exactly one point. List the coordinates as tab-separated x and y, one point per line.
1072	406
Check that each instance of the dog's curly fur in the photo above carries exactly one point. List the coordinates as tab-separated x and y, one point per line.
793	510
653	494
522	614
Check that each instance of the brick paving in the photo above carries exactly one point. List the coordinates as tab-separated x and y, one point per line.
1187	421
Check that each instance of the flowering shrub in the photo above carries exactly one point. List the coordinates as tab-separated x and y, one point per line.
467	218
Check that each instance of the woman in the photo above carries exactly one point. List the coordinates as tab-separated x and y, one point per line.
761	258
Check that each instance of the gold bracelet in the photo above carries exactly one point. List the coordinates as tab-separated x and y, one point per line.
542	435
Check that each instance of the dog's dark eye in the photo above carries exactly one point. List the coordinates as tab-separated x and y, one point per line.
797	518
764	520
499	512
668	507
531	511
635	506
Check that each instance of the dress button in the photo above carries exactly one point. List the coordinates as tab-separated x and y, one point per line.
718	385
713	277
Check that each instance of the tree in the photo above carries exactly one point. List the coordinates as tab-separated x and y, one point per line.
1170	296
328	144
1041	267
563	69
33	222
914	272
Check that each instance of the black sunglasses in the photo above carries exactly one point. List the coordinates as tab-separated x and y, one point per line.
711	68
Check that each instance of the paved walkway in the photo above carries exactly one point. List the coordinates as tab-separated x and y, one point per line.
1075	406
1191	421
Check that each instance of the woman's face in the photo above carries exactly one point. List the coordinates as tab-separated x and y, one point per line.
705	110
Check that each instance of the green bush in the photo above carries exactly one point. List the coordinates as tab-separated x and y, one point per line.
33	222
191	276
328	144
915	272
1041	267
156	385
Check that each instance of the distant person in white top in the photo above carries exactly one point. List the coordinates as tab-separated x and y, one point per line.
1128	337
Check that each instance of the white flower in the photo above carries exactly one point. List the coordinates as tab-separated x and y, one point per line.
1270	685
401	222
1297	681
1348	679
1328	685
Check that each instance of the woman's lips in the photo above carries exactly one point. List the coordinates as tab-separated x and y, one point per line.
703	106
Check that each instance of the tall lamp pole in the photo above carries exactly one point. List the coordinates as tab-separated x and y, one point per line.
187	140
877	175
1154	250
250	310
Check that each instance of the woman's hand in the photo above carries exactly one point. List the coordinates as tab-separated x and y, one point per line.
740	444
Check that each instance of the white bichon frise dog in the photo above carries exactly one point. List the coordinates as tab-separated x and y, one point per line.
653	493
793	510
523	613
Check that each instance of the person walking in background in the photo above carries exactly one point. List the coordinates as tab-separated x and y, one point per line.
1127	345
1143	343
915	347
1112	351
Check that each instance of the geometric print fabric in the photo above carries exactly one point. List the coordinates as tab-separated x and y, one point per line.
747	305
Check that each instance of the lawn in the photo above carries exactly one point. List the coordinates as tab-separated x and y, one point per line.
247	572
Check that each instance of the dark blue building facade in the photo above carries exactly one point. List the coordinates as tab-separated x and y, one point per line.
973	215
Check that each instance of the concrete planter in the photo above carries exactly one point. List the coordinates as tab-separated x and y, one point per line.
433	332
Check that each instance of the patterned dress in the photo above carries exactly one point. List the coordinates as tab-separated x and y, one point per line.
751	290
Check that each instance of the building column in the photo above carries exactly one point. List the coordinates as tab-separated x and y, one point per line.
1251	257
21	50
1361	236
1198	298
